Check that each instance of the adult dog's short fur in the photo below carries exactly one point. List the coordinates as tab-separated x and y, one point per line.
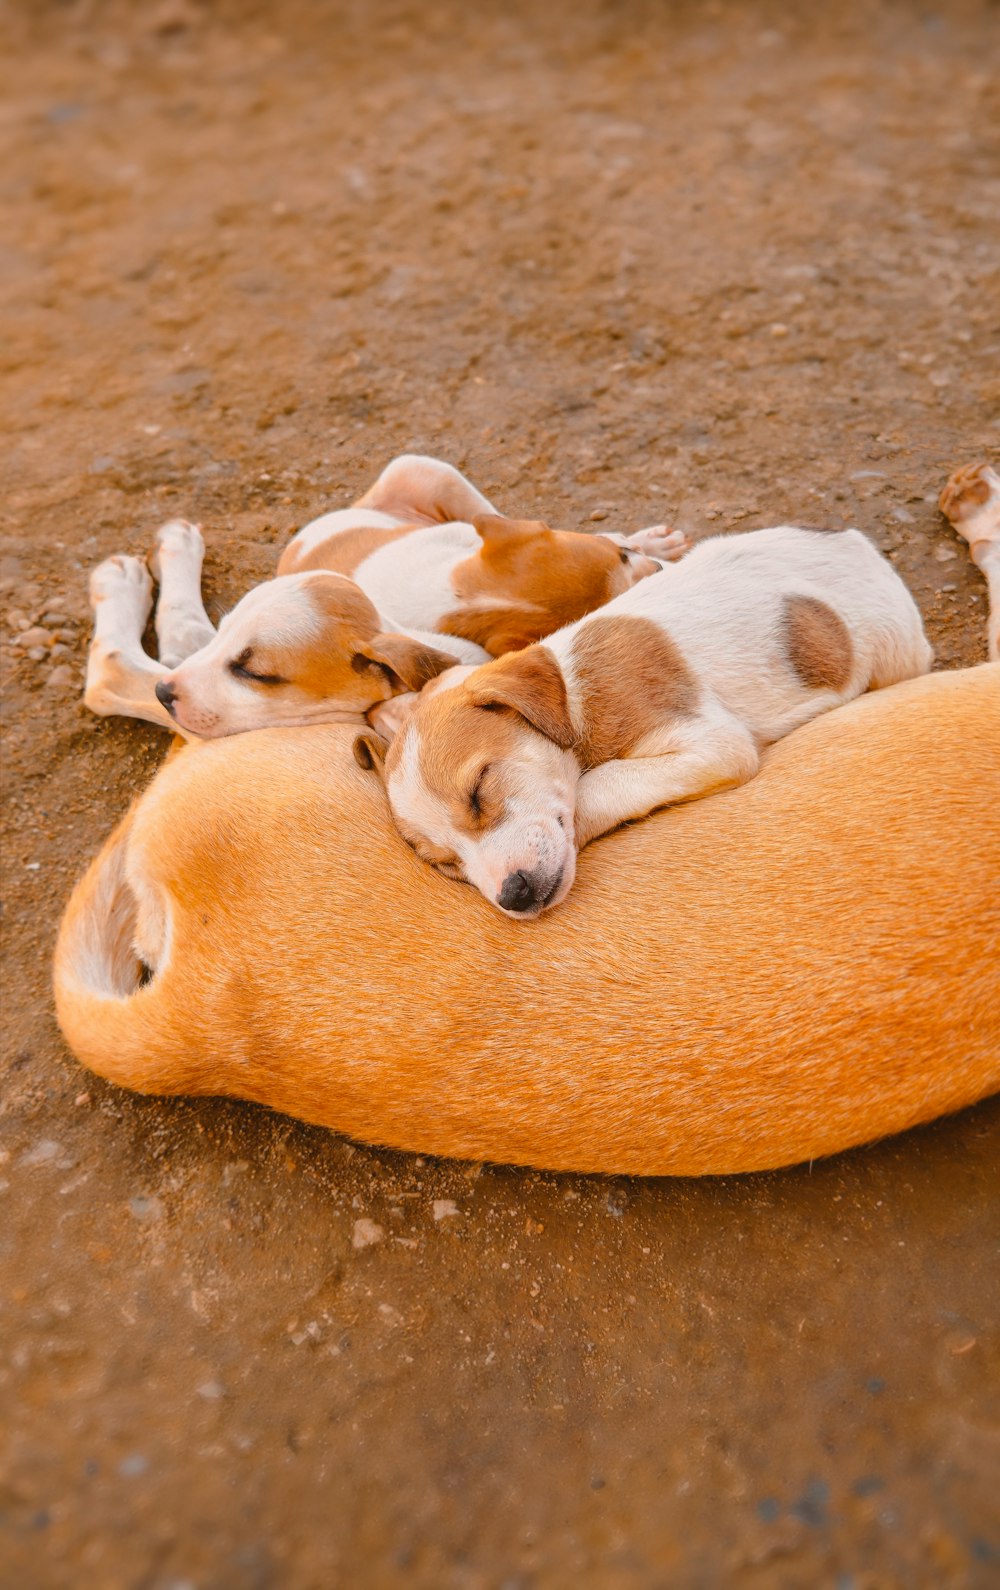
796	966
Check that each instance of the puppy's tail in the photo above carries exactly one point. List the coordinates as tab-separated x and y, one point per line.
111	1003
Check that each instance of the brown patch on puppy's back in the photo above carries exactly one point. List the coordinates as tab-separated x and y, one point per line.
343	551
631	678
528	580
819	643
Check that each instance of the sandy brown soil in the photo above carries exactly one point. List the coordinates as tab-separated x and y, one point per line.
726	265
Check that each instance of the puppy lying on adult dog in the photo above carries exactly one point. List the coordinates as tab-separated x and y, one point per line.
500	774
798	965
370	601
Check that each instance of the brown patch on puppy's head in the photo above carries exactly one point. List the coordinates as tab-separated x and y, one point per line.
819	643
353	656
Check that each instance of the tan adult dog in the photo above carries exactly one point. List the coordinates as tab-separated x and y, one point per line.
770	975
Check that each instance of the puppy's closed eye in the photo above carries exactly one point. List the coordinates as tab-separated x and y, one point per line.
476	792
240	669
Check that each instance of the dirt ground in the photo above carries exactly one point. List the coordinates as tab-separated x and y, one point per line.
726	265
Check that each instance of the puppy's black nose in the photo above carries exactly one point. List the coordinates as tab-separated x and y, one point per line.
518	893
166	695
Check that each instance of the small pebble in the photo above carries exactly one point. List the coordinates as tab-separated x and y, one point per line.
53	620
444	1208
43	1153
778	329
597	515
366	1233
38	653
35	636
60	649
18	620
60	678
146	1207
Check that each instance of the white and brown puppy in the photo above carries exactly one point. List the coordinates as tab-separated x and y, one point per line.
369	601
499	774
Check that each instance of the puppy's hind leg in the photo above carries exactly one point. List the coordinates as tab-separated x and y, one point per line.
416	487
656	541
182	625
971	502
121	678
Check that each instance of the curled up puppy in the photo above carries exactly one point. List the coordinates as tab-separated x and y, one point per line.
498	774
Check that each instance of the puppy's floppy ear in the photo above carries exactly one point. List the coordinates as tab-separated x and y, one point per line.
531	684
409	663
388	717
498	533
369	752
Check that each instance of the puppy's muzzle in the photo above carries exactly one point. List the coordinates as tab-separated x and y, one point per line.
166	695
526	891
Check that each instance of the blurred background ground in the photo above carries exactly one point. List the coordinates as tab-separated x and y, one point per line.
726	265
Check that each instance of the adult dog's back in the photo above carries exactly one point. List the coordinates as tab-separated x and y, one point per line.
780	972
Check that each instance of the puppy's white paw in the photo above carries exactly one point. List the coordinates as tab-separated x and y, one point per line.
971	501
177	539
124	580
659	541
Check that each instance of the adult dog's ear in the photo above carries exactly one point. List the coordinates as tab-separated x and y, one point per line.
369	752
408	663
531	684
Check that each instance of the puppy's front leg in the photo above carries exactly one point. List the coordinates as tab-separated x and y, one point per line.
121	678
182	625
706	759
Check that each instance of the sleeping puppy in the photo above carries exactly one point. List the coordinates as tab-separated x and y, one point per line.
368	603
499	774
